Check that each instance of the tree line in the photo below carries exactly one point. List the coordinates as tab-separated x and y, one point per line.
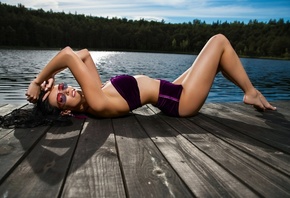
23	27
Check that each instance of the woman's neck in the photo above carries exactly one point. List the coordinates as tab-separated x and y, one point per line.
83	106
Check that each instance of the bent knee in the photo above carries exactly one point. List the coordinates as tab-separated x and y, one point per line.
66	51
221	39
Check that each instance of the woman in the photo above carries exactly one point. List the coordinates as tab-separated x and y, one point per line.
183	97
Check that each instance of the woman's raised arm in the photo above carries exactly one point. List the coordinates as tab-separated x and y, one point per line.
86	57
67	58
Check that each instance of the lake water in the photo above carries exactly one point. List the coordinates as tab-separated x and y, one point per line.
19	67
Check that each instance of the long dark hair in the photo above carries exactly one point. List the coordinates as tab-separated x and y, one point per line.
42	113
45	107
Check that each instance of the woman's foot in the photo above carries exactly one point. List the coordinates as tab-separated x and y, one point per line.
258	101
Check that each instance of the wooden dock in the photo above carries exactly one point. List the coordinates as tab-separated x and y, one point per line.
228	150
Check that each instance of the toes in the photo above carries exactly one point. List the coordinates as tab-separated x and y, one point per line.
259	108
267	105
271	107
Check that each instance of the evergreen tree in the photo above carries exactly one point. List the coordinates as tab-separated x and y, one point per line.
22	27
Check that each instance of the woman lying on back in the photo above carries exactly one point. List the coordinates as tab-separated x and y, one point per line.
183	97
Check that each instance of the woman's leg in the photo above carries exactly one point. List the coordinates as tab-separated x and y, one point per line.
217	55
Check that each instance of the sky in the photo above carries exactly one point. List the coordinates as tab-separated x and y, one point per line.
171	11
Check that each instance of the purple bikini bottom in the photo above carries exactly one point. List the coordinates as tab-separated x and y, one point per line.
168	99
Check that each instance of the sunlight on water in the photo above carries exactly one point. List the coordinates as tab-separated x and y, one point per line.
19	67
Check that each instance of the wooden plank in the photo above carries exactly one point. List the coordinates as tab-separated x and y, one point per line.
228	150
282	104
42	172
8	108
281	163
283	107
263	152
1	105
258	130
146	172
269	155
267	119
4	110
201	173
4	132
95	170
275	119
15	146
264	178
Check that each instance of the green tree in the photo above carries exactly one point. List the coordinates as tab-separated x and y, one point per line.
37	28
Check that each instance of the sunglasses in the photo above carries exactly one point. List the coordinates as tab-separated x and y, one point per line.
61	97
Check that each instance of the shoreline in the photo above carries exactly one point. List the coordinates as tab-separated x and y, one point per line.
140	51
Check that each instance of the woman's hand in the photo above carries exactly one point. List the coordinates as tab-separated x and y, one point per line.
48	84
33	92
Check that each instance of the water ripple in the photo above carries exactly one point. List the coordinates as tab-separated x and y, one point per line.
19	67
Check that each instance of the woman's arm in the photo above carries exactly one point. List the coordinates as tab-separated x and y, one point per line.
53	67
86	57
66	58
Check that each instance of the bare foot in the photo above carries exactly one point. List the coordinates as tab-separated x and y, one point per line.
258	101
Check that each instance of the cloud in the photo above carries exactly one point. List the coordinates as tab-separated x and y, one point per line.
36	4
166	9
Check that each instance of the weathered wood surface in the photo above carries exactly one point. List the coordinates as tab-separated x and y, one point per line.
228	150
